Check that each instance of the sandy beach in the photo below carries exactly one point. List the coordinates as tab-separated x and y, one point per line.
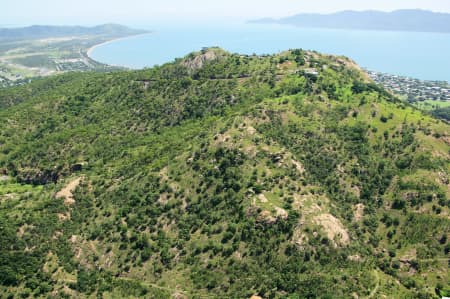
89	51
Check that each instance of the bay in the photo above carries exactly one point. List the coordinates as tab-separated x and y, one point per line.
420	55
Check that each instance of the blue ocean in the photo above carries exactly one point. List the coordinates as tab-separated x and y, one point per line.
415	54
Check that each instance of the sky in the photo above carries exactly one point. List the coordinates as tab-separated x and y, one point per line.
27	12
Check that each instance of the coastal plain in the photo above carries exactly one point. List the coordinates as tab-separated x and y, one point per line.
39	51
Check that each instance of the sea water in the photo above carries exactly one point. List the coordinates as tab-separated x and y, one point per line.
416	54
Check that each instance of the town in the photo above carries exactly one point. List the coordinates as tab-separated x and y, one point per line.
413	90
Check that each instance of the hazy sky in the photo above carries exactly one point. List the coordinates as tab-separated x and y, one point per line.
139	11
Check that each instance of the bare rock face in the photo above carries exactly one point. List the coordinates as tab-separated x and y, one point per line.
266	217
262	198
354	258
281	213
178	295
446	139
198	61
334	229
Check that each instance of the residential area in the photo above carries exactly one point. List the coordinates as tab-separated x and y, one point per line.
413	90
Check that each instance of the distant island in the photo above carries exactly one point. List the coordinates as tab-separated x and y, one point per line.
400	20
37	51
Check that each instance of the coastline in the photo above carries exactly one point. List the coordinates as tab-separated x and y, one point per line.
89	50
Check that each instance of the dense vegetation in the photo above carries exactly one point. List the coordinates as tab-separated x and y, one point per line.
442	113
222	176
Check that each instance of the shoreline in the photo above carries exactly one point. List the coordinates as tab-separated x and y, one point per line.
90	49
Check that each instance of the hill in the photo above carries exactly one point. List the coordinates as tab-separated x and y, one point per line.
399	20
222	176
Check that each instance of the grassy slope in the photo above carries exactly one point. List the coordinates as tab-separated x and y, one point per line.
217	176
430	104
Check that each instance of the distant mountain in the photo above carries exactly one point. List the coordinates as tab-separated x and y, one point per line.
38	31
399	20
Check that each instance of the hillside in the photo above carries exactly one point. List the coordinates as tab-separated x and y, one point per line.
222	176
399	20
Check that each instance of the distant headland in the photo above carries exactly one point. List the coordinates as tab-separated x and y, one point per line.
45	31
400	20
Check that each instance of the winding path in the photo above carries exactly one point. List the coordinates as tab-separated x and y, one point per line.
377	286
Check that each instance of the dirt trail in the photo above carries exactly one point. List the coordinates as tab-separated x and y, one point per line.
358	211
377	286
67	192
